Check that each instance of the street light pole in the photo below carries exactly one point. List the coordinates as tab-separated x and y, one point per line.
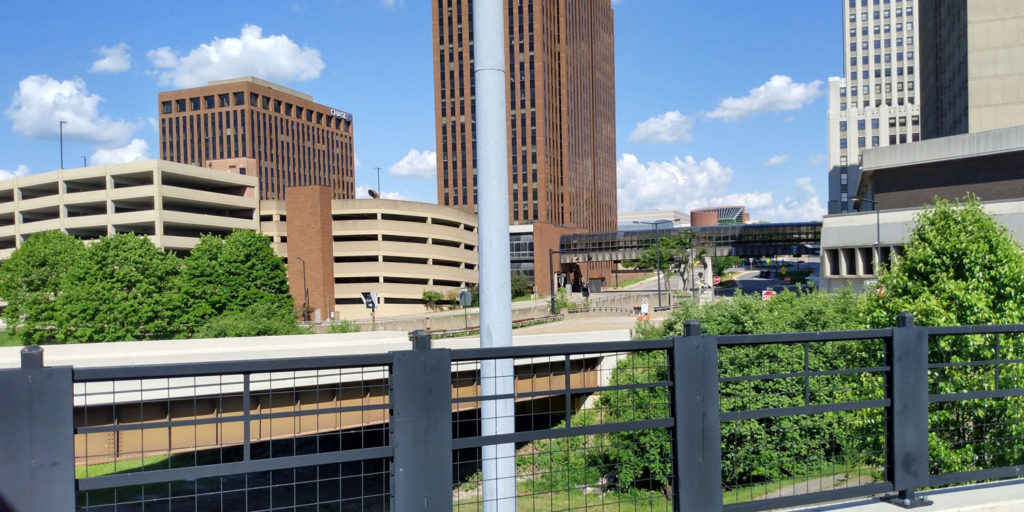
60	128
305	291
657	250
878	232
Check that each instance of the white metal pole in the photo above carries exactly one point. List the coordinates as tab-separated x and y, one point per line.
496	376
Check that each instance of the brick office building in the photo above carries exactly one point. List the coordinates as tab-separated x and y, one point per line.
251	126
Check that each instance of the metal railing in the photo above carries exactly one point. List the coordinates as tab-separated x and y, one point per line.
733	423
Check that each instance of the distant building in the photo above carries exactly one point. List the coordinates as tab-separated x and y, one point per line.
254	127
643	219
715	215
561	111
972	66
877	100
398	249
173	204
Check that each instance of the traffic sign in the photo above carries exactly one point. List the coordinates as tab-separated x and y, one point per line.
644	308
370	299
750	260
787	279
767	295
717	280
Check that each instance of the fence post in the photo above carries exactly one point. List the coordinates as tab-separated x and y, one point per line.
698	434
421	426
37	471
907	422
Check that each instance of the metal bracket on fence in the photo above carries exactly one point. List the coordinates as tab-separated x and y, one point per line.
698	434
907	423
421	426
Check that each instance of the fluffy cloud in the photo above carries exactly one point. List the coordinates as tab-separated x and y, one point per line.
416	164
817	159
137	149
356	162
778	93
777	160
115	60
667	128
685	183
805	205
42	102
275	58
364	193
21	170
679	184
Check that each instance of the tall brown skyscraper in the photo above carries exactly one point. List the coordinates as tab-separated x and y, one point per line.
251	126
561	110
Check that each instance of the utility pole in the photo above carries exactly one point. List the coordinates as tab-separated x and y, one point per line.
84	164
379	193
60	128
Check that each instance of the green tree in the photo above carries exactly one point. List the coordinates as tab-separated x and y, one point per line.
960	267
229	274
521	285
720	264
123	288
664	254
258	319
433	300
32	280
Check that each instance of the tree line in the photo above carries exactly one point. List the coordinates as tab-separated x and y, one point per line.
122	287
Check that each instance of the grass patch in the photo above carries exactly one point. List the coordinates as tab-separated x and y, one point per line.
9	340
121	466
576	499
633	280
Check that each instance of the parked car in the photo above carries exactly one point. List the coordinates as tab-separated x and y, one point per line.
765	273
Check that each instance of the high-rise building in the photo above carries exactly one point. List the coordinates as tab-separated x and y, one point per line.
251	126
561	110
877	100
972	66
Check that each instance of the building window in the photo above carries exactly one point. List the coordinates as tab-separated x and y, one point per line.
239	99
915	120
892	140
888	57
887	28
180	104
878	44
167	107
225	100
899	27
842	106
888	43
842	126
874	124
878	29
874	141
842	91
253	99
842	143
842	161
860	142
194	103
853	91
860	124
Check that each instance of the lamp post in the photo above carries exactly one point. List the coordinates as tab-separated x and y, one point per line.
60	128
305	291
657	250
878	231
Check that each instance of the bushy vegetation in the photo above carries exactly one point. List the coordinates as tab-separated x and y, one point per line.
123	288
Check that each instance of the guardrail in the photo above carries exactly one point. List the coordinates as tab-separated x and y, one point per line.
733	423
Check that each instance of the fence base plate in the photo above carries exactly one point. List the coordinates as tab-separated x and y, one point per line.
906	502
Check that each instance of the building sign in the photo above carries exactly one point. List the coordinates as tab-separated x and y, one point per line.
344	115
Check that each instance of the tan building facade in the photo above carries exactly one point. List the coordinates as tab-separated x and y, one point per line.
398	249
171	203
561	111
254	127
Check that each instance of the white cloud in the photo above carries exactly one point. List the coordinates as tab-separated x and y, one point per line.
778	93
115	59
137	149
364	193
275	58
777	160
684	184
42	102
416	164
667	128
21	170
816	159
679	184
391	4
356	162
805	205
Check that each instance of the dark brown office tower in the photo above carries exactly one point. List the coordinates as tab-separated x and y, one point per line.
251	126
561	110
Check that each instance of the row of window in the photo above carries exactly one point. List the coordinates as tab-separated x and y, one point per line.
238	99
861	123
865	89
864	3
879	29
862	141
881	14
879	43
879	73
878	58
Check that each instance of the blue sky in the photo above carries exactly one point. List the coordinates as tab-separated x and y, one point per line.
717	101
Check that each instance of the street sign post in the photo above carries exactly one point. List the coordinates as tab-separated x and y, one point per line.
767	295
718	280
372	301
787	279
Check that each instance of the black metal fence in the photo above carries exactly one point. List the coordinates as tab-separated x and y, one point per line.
696	422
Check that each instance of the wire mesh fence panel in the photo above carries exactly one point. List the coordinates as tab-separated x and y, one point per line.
800	419
304	439
976	414
580	441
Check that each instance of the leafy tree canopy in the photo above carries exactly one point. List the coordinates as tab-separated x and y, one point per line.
32	279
